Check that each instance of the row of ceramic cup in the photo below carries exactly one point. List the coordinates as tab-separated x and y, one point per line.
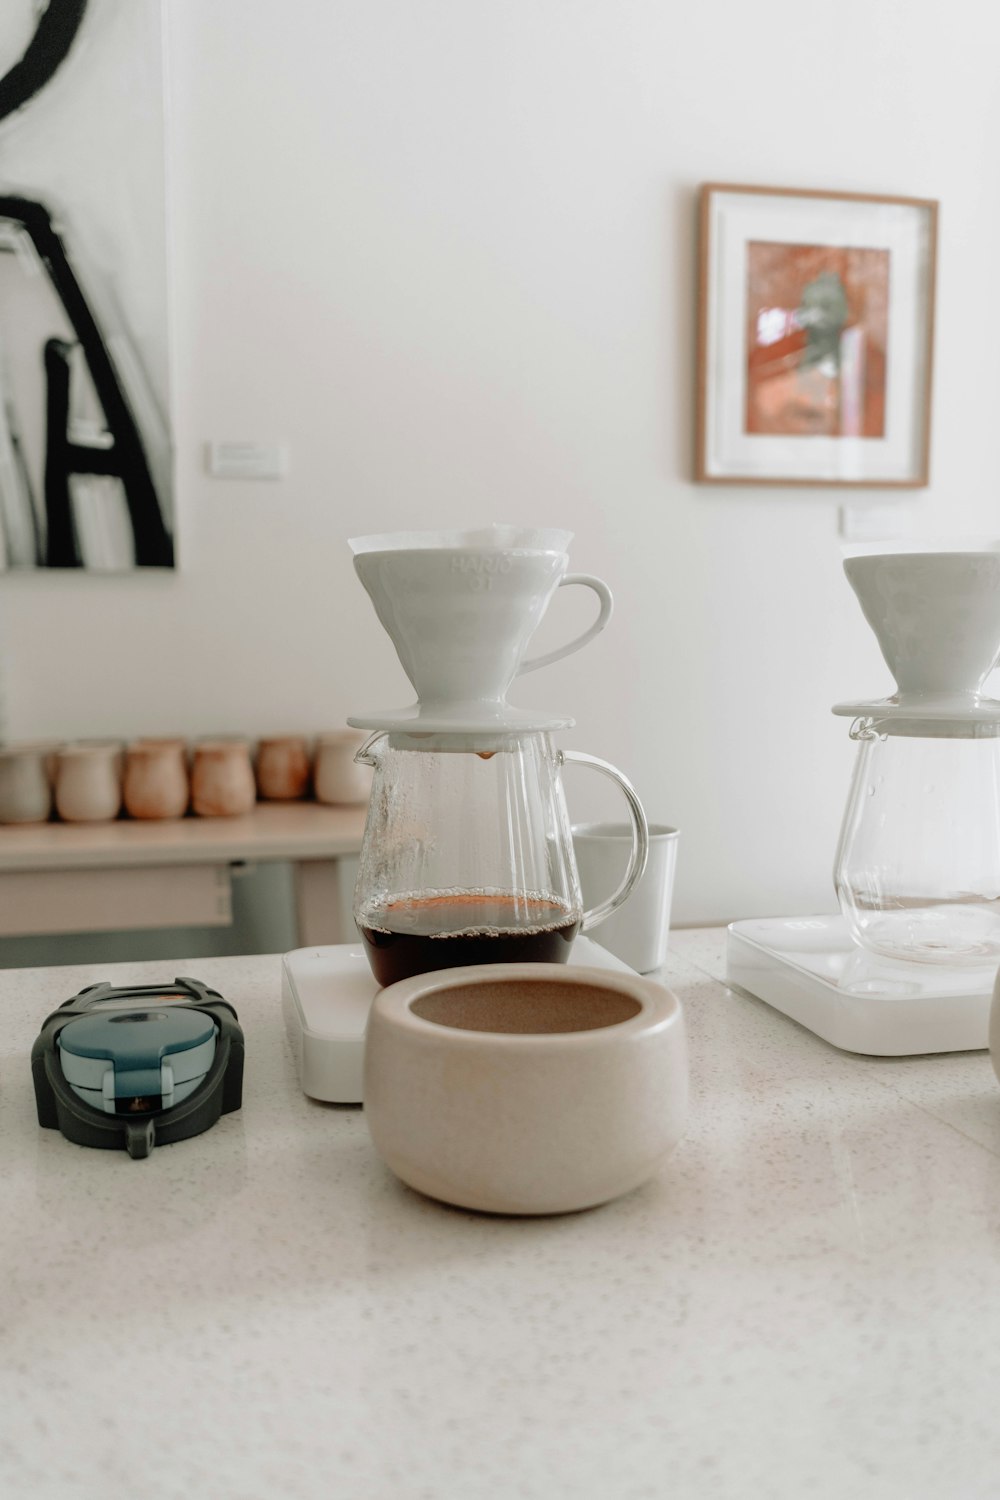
90	781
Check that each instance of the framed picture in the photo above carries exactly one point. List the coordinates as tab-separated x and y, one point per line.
815	337
86	452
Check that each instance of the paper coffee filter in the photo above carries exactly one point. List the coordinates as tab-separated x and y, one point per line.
496	537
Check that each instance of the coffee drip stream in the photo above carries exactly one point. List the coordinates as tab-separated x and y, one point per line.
467	855
918	865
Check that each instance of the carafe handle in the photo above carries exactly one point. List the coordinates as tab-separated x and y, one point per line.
640	838
607	604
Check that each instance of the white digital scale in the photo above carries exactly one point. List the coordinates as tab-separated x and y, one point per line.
811	969
326	994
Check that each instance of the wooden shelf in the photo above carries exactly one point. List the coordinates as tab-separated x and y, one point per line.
273	831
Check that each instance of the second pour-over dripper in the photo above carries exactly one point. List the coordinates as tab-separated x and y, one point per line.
918	867
467	855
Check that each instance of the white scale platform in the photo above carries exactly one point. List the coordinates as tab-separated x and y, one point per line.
811	969
326	994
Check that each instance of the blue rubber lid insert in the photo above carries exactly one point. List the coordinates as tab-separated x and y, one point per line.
137	1038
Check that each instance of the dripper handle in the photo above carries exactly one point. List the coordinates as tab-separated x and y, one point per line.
640	838
603	593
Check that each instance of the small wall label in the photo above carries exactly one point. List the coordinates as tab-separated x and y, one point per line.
247	460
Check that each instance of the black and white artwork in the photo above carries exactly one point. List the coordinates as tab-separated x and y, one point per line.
85	455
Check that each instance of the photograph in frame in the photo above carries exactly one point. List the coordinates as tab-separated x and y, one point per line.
815	337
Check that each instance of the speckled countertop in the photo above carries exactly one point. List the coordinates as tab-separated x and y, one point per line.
805	1303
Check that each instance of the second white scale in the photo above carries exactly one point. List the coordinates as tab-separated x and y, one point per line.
811	969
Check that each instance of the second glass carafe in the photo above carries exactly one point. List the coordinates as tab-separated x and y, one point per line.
918	867
467	855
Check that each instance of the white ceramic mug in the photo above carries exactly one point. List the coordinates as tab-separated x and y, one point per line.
525	1088
639	931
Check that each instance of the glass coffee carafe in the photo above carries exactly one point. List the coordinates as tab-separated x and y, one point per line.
467	855
918	867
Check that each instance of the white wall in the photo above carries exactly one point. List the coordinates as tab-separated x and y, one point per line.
446	250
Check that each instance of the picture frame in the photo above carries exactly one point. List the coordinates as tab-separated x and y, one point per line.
815	337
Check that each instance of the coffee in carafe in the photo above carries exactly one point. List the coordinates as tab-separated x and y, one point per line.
443	932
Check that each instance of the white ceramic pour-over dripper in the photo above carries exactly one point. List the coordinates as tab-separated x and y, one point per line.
460	609
937	619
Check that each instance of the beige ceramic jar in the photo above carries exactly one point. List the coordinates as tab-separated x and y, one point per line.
88	782
222	782
553	1088
336	777
282	768
156	779
25	788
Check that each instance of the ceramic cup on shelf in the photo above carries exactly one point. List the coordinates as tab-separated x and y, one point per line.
553	1088
88	781
25	785
639	931
337	777
282	768
173	740
222	780
114	747
156	779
